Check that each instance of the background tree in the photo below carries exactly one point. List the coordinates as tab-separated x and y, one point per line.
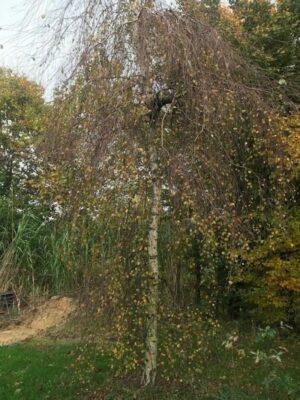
22	119
271	32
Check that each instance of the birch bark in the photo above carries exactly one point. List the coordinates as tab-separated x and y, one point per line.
150	367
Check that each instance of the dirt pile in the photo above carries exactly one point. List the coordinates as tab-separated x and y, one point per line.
49	314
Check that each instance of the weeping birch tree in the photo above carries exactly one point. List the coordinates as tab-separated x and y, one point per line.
155	79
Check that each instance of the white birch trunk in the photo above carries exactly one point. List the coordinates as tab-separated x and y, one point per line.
150	367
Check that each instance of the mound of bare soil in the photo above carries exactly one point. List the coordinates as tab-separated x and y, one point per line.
51	313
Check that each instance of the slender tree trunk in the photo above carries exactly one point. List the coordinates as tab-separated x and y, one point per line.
150	367
198	272
177	291
8	177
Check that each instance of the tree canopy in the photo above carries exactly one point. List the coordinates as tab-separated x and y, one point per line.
168	180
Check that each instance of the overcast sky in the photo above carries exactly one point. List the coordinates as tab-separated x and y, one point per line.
14	53
20	43
17	47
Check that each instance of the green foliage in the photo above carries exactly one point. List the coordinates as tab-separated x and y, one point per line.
270	32
271	274
31	251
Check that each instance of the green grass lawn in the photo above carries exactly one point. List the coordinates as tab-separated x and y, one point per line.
40	371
